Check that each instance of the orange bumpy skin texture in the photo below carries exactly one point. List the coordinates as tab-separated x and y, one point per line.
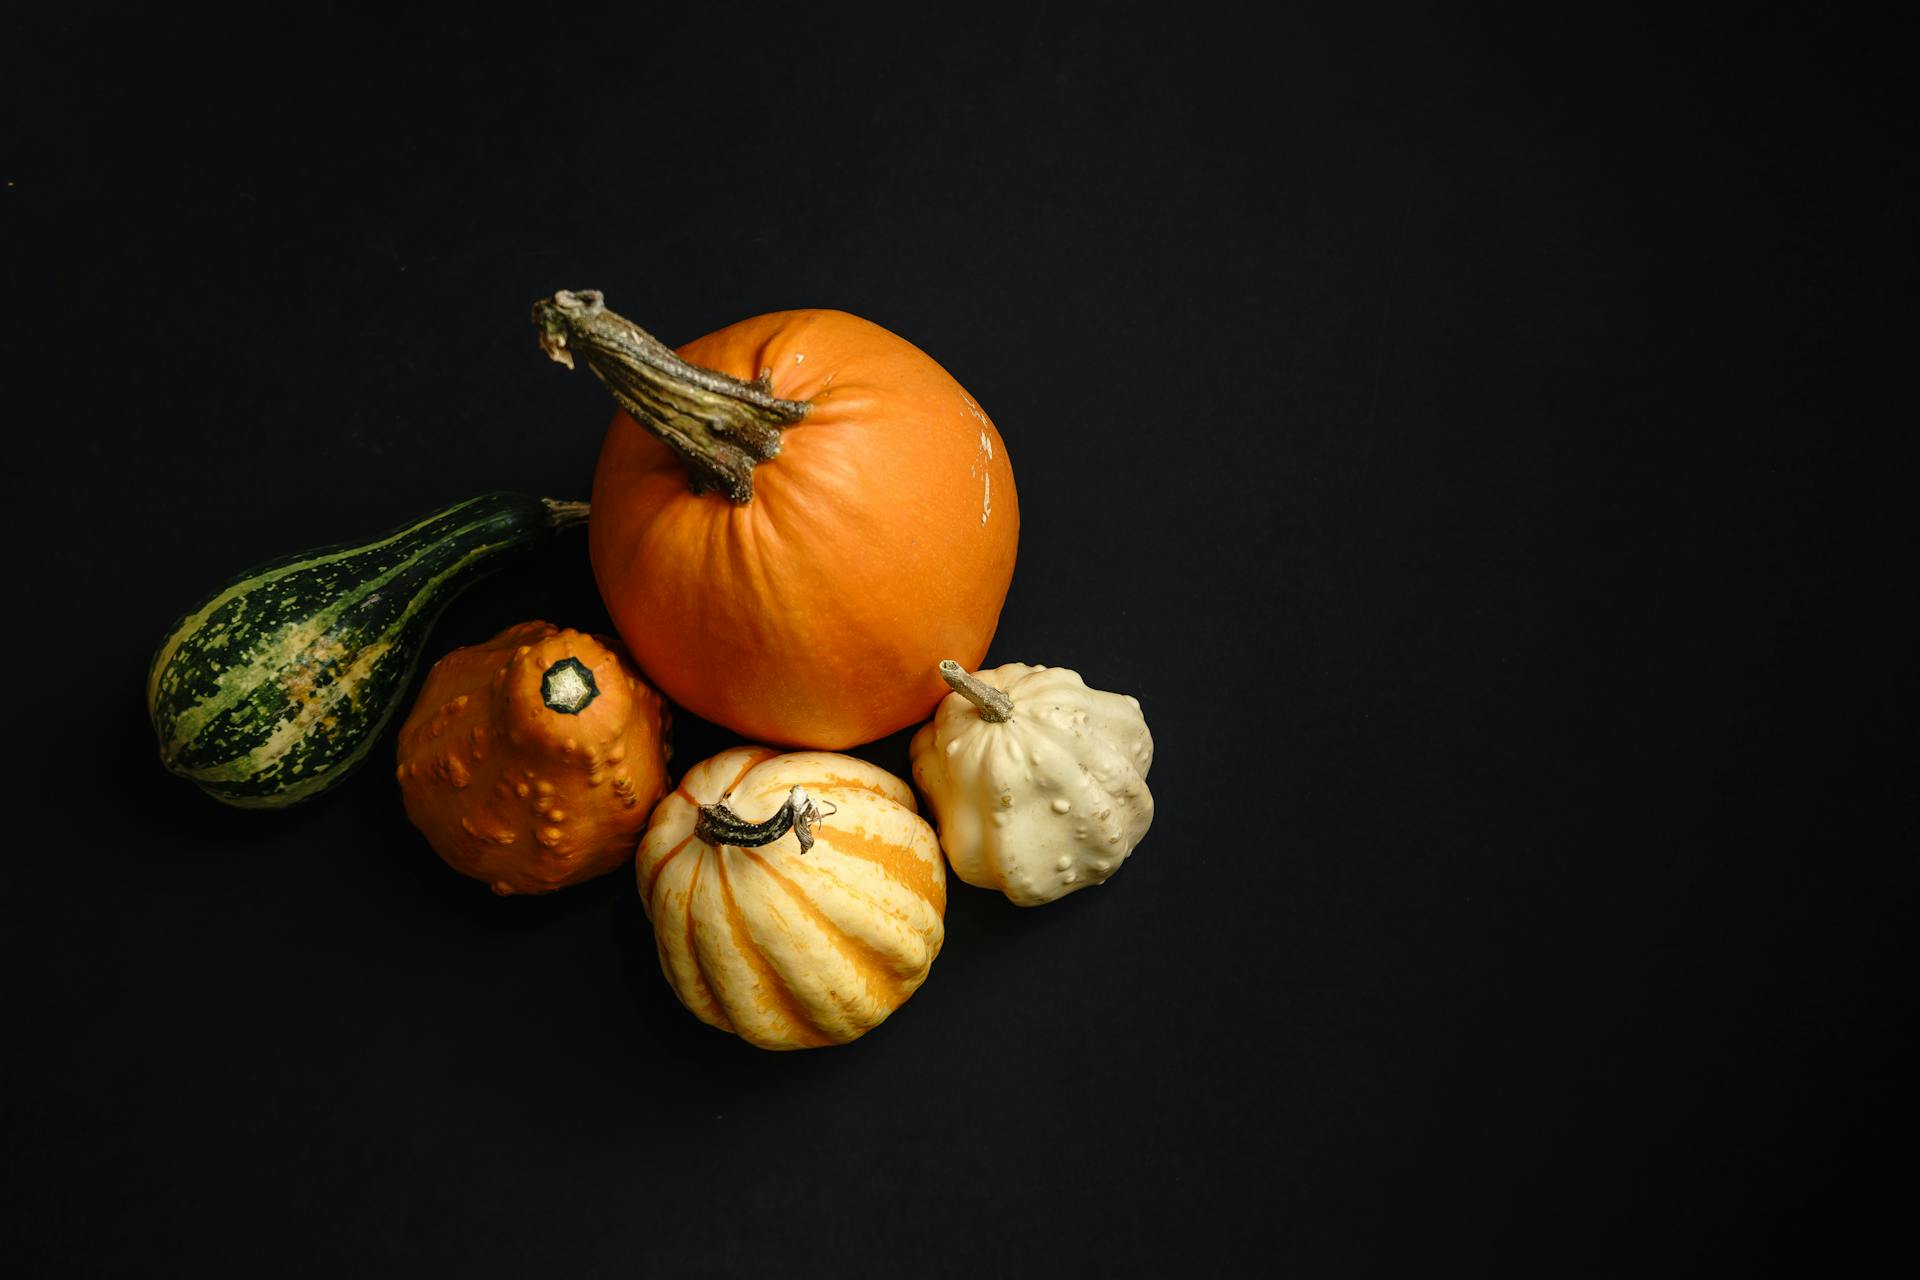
793	950
517	794
879	541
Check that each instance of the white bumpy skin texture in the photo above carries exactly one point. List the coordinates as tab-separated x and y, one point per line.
1047	801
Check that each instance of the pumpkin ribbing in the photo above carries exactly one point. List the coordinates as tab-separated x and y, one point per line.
793	950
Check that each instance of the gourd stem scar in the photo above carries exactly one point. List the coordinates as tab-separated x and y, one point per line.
568	687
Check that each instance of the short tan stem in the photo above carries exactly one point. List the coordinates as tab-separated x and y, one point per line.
995	706
719	426
564	515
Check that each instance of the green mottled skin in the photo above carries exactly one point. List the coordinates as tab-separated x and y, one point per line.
272	688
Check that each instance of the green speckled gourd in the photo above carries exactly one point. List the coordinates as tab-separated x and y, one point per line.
271	689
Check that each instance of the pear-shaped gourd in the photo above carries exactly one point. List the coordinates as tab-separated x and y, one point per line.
1037	783
277	684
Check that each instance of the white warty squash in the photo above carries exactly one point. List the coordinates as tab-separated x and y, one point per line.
1037	782
797	899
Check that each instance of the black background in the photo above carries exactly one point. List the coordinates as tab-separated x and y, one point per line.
1432	421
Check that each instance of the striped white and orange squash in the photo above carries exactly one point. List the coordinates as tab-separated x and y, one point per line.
792	950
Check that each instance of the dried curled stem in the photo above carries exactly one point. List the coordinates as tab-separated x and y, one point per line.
800	814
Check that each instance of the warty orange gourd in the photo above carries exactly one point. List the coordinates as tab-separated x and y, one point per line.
533	761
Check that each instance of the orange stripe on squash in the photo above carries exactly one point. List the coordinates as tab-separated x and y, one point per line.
706	1005
872	964
898	861
774	996
651	872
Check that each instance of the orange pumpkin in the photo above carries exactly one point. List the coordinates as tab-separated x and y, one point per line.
794	519
533	761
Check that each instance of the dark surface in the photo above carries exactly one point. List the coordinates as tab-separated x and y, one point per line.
1433	425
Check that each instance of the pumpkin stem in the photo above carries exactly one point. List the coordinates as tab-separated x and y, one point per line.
719	426
995	706
721	825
